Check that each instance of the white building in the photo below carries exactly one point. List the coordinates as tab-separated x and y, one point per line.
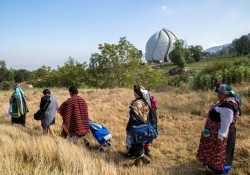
159	46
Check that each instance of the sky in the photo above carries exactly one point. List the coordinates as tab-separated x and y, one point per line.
34	33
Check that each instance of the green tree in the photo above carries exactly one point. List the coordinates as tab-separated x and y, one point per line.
177	55
196	52
3	71
119	65
73	73
5	74
242	45
21	75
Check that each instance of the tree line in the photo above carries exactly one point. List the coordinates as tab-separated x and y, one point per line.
117	65
122	65
182	54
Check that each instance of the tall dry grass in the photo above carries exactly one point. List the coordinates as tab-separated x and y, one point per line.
181	116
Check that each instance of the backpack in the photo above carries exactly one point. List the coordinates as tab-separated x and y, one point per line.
153	102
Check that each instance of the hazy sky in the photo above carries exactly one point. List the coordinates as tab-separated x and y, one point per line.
46	32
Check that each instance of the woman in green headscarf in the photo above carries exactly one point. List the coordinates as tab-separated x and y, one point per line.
217	143
18	106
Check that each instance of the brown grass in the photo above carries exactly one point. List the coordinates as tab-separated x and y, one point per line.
181	117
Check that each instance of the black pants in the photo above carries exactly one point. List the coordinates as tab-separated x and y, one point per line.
136	151
21	120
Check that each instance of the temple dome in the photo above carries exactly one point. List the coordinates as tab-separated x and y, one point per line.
159	46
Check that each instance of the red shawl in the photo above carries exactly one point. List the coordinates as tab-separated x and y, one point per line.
74	113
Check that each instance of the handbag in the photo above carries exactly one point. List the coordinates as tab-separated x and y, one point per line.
143	133
39	114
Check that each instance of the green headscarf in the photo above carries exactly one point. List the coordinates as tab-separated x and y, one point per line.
226	89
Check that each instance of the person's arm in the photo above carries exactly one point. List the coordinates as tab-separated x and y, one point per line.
226	116
42	102
12	99
129	125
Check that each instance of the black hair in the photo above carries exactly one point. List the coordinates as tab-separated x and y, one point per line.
137	90
46	91
73	90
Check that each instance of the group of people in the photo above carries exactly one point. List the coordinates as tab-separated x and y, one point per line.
217	142
74	112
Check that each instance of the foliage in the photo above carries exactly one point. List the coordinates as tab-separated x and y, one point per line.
187	55
5	74
72	73
21	75
177	55
178	80
242	45
196	52
225	72
121	65
6	85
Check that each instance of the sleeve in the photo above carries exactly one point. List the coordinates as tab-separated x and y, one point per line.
131	121
226	116
42	102
12	98
129	125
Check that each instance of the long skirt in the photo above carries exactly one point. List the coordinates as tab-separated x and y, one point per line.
217	158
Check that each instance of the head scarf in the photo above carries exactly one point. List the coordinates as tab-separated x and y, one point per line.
226	89
19	106
143	93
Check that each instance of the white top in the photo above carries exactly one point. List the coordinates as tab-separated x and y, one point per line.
226	116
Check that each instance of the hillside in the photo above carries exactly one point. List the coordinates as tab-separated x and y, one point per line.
224	47
181	116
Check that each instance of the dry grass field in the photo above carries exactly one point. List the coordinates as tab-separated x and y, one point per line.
181	116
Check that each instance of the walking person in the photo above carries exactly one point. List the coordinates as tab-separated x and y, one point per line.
74	112
18	106
50	103
217	143
140	113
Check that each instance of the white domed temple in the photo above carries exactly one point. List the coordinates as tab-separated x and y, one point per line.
159	46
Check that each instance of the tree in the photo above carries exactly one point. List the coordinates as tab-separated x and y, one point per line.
72	73
3	70
21	75
242	45
196	52
177	55
119	65
5	74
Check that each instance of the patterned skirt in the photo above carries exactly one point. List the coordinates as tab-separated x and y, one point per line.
209	153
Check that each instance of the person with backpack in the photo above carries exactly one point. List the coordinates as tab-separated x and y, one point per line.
50	106
140	116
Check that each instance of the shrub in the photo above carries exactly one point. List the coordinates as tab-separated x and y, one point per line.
6	85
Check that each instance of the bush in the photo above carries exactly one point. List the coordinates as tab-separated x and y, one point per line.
178	80
225	72
6	85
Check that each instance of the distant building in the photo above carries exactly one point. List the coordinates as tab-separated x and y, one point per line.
159	46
